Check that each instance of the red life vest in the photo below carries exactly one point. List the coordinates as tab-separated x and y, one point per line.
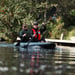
34	32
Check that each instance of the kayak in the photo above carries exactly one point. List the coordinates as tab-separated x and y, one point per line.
47	45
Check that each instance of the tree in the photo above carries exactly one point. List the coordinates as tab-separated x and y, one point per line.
14	12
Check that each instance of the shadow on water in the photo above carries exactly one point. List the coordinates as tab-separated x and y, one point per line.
37	61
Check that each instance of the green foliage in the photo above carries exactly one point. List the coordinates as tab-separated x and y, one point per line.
56	28
72	12
72	33
13	13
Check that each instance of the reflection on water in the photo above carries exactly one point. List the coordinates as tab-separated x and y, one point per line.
37	61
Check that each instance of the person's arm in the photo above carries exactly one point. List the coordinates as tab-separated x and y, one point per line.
43	28
21	33
30	33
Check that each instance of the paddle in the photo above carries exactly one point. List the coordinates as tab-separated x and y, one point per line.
18	41
29	41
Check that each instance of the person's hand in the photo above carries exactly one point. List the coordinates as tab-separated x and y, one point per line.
34	35
43	23
24	35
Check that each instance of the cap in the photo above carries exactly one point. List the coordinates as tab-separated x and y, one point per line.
24	26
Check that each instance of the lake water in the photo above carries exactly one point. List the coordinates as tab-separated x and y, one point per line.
20	61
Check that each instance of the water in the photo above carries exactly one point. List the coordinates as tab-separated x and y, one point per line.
37	61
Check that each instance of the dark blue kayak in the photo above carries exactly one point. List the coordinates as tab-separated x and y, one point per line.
47	45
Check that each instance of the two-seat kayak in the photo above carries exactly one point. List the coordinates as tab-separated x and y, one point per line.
46	45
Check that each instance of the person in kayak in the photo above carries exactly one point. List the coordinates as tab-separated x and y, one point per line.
35	32
24	33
